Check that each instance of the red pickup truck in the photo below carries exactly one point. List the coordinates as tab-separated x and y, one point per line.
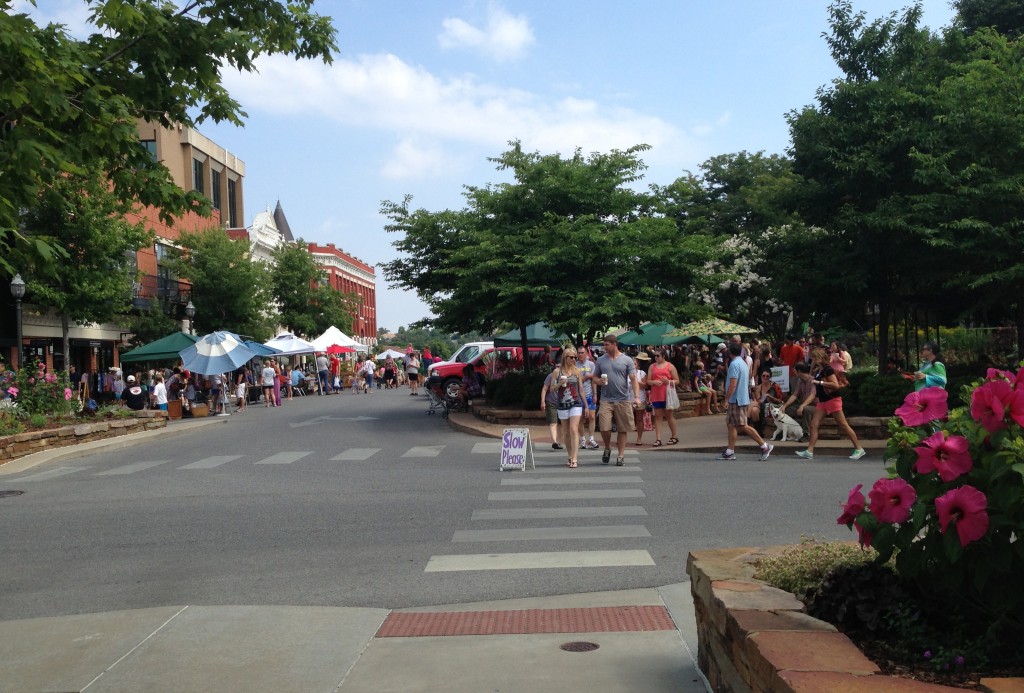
450	373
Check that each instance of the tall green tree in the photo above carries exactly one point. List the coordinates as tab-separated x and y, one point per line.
306	302
568	242
79	213
69	105
230	290
1005	16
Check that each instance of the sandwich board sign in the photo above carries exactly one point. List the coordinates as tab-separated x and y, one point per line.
515	447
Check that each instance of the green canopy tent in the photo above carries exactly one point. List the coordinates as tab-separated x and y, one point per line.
651	334
537	334
163	349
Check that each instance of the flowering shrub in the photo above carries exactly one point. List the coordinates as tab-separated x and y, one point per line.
951	510
35	391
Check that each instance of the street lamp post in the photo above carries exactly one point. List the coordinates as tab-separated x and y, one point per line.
190	311
18	291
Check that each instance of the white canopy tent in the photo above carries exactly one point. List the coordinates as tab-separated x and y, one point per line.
390	352
290	345
335	336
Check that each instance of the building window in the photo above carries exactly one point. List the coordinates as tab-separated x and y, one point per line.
215	188
197	176
150	146
166	283
232	204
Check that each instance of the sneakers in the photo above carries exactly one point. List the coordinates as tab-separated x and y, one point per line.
620	461
726	455
583	444
556	446
858	453
606	456
766	451
592	444
804	454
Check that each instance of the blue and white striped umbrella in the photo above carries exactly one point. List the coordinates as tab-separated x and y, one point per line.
217	352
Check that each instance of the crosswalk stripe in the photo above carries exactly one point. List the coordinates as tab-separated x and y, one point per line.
486	448
544	559
558	513
551	533
548	452
584	469
49	474
577	479
357	454
132	468
211	462
424	451
284	458
565	495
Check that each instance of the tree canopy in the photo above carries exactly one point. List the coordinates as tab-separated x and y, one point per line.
69	105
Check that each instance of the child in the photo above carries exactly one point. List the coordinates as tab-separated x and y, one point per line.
707	389
241	393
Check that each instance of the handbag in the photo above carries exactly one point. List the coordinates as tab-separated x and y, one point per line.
671	398
648	422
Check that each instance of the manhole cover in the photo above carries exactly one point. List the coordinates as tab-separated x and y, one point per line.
4	494
579	646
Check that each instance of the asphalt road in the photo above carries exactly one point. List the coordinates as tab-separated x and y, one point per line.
364	500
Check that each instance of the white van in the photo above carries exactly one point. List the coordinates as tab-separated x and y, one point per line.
465	353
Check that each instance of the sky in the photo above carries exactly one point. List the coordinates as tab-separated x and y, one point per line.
420	94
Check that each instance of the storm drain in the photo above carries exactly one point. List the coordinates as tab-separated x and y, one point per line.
5	494
579	646
616	619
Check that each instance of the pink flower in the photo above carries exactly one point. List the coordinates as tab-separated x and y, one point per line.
948	456
12	391
965	507
924	406
997	374
991	402
854	506
891	500
863	536
67	394
31	381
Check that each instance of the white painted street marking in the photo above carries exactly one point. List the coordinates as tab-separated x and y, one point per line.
318	419
584	469
556	513
357	454
211	462
551	533
48	474
565	495
132	468
547	559
284	458
424	451
574	479
486	448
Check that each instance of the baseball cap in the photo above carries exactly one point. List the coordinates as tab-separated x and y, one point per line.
131	378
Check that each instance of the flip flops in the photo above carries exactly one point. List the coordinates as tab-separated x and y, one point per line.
673	441
657	444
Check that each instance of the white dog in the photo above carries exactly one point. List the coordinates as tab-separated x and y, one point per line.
785	425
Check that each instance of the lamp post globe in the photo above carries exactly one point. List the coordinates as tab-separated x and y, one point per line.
190	311
18	291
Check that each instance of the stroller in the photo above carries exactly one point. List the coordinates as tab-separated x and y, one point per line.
437	398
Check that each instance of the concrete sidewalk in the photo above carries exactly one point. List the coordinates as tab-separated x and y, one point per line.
645	641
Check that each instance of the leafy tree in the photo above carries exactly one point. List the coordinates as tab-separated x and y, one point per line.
96	285
230	290
332	306
149	325
70	105
294	276
1005	16
568	242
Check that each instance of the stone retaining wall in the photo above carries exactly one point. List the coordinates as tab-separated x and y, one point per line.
753	637
21	444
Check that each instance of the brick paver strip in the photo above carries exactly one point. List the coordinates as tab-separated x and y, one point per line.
616	619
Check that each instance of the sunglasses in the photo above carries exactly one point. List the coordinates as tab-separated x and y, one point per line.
570	358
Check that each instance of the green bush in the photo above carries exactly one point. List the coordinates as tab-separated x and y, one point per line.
802	569
870	394
516	389
9	423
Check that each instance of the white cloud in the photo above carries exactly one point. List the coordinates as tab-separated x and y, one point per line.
413	159
504	37
384	93
73	14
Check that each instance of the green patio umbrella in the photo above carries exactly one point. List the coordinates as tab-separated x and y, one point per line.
708	339
537	334
163	349
711	327
653	334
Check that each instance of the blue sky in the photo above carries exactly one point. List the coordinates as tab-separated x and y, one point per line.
421	93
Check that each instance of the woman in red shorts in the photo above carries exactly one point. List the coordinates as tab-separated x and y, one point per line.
830	401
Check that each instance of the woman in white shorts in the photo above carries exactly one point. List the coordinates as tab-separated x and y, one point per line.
568	382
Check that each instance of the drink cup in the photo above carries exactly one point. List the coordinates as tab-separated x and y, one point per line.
604	378
563	379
